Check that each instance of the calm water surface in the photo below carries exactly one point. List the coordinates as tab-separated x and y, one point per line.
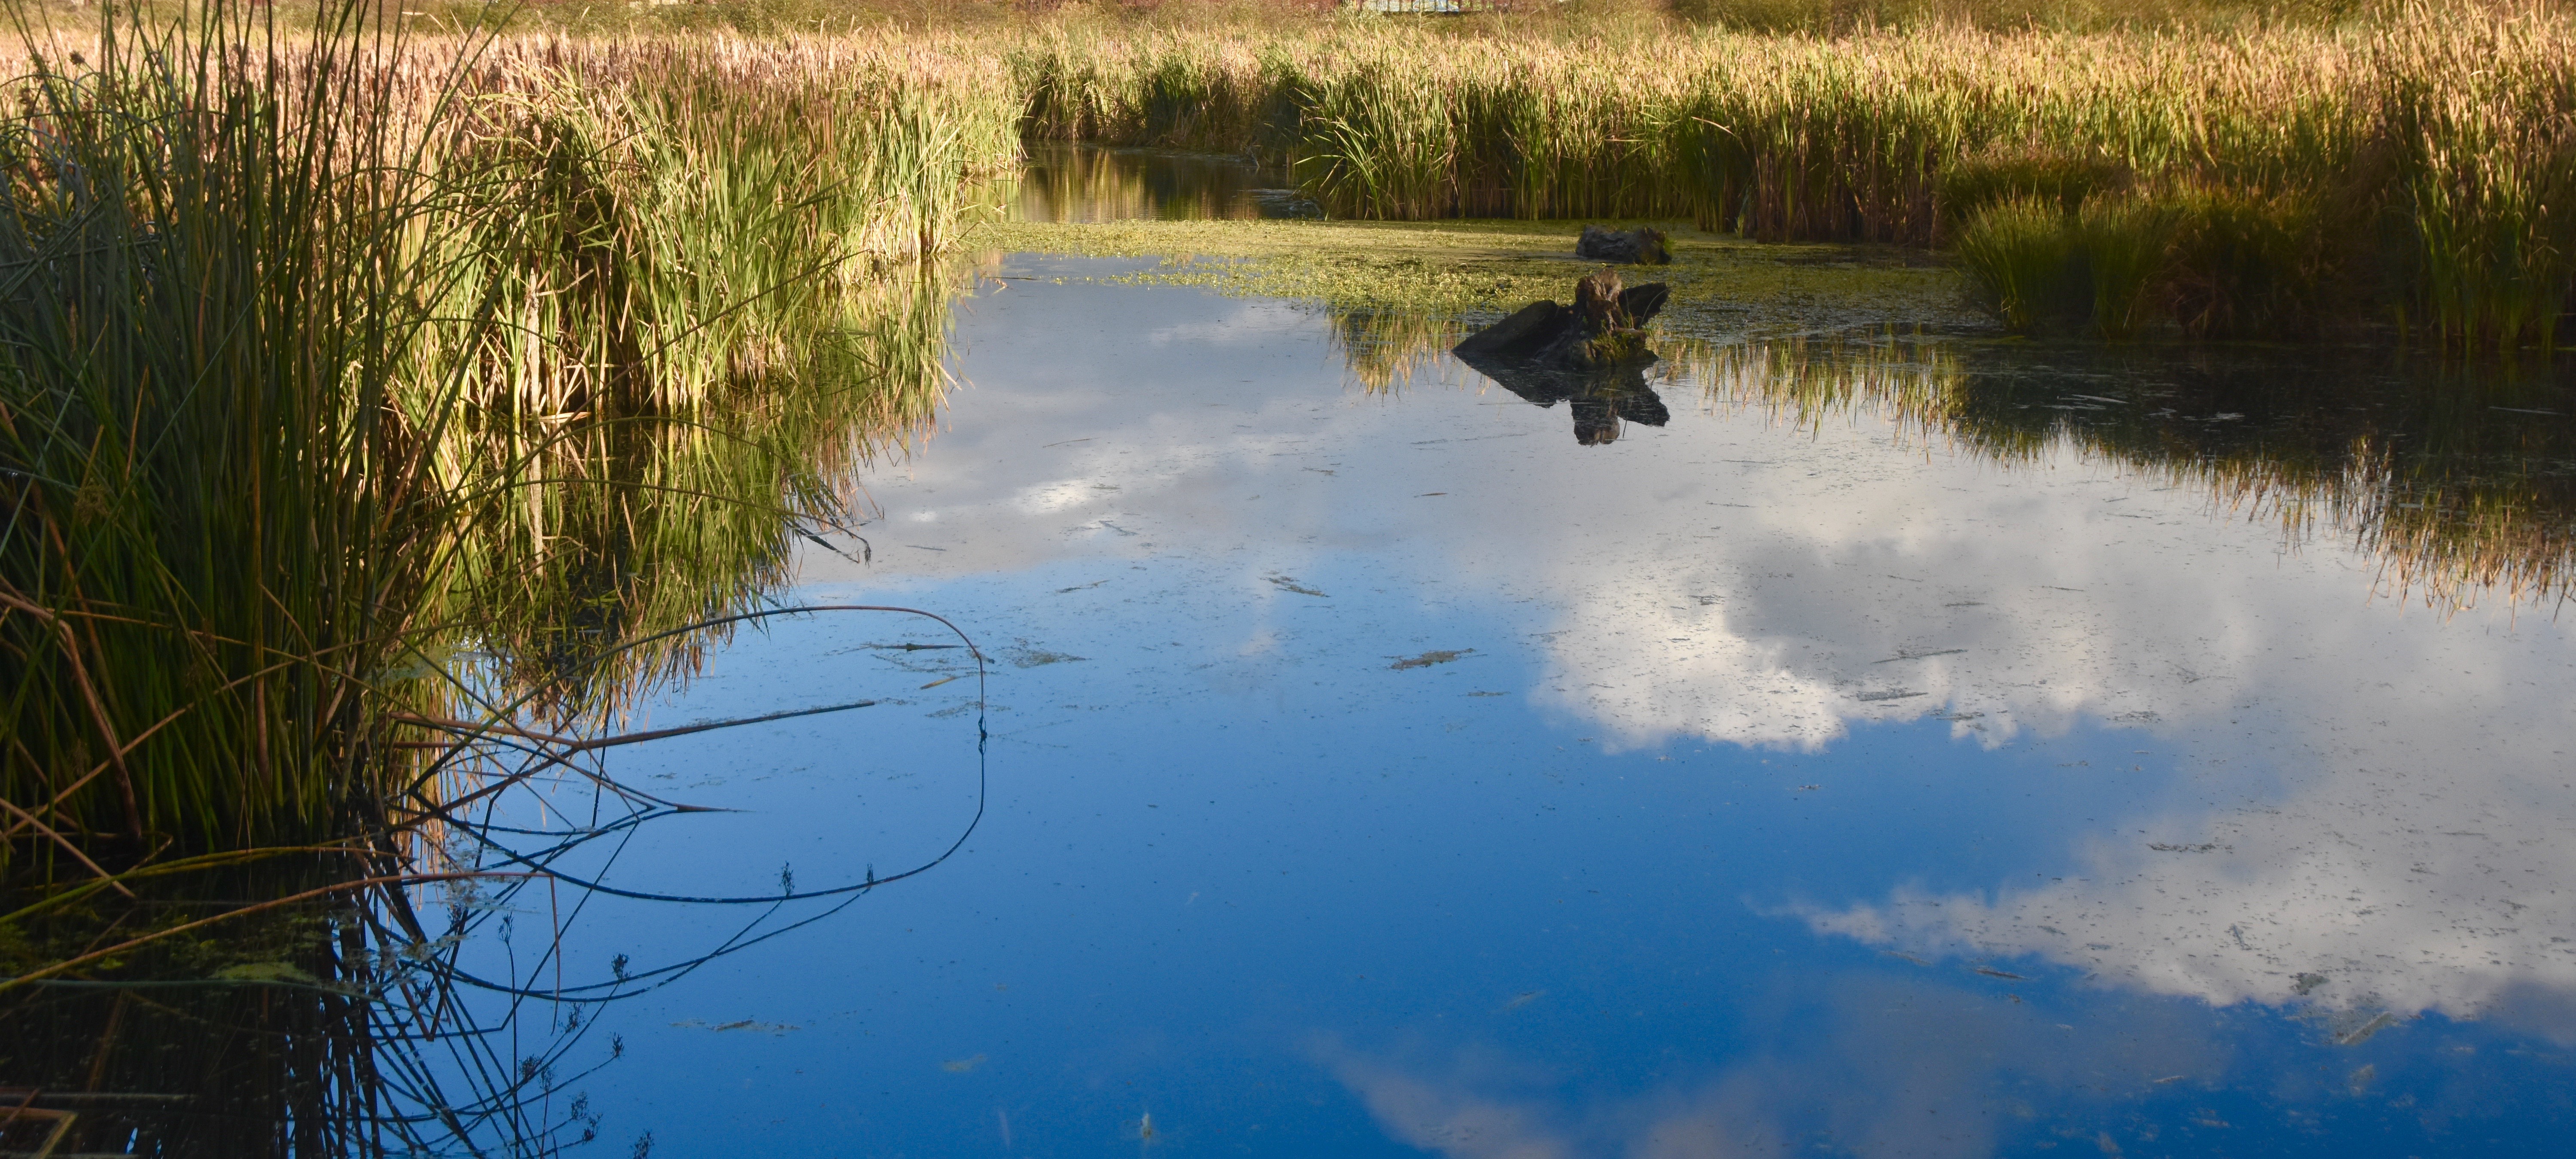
1389	773
1393	771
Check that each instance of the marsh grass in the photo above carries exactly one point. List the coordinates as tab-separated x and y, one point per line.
2417	156
2026	264
328	359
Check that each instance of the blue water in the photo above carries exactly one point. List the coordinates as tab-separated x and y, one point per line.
1794	788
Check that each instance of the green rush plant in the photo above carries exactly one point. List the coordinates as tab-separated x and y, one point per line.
210	492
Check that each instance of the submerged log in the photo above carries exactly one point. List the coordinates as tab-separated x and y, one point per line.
1639	246
1592	354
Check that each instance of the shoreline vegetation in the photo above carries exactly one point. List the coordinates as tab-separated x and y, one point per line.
348	383
492	352
2409	171
2287	170
377	417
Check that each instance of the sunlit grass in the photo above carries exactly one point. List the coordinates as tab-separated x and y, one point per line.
2420	157
331	354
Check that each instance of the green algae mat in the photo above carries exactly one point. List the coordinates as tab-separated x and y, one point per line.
1723	287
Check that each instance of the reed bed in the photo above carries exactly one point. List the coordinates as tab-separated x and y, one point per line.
2407	168
331	356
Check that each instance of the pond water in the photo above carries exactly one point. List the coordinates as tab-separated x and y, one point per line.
1872	747
1390	772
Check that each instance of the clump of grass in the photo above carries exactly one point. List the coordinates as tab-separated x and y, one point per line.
2128	248
2067	180
2025	264
2213	264
215	278
2247	266
326	360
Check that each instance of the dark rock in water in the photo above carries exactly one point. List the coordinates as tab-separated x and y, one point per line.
1639	246
1592	354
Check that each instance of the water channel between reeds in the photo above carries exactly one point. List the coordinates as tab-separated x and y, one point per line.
1874	746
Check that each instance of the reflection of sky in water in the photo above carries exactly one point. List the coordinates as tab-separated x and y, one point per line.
1791	788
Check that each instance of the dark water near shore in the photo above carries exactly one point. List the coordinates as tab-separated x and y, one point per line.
1069	182
1897	749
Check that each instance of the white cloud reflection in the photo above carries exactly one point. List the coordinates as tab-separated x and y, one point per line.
1875	1065
2367	800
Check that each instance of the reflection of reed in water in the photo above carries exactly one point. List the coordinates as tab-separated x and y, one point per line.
313	398
1384	349
332	1027
1071	183
2455	482
633	519
391	995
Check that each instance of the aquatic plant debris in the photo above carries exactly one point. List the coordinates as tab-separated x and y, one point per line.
2362	1033
1024	656
266	972
1903	654
770	1028
962	1065
1427	659
1289	583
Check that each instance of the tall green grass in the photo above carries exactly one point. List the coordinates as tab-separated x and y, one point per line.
328	357
211	257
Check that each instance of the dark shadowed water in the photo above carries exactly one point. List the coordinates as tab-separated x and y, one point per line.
1895	750
1069	182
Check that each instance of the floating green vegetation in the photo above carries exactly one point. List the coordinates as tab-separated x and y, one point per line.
1473	270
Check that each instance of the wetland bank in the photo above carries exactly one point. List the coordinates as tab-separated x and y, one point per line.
935	587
